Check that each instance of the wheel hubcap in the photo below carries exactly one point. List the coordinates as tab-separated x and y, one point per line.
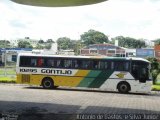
123	88
47	83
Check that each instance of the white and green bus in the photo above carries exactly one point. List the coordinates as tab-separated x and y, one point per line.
103	73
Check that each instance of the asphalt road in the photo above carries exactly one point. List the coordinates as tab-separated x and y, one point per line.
23	102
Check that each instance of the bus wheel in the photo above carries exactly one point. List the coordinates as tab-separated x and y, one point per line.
123	87
47	83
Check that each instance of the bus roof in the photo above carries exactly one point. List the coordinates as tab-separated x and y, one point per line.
94	57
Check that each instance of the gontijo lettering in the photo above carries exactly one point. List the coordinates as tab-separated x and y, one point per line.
49	71
65	72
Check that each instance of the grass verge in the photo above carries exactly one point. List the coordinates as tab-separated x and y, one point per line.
156	87
7	80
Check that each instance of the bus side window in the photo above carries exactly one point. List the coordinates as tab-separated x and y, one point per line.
67	63
80	63
40	62
101	64
112	65
135	71
33	62
126	66
143	73
74	63
50	63
86	64
104	65
25	61
59	63
121	66
96	65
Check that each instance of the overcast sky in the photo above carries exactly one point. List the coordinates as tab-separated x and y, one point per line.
132	18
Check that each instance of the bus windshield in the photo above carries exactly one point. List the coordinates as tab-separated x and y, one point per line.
140	71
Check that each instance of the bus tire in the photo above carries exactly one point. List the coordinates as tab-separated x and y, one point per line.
123	87
47	83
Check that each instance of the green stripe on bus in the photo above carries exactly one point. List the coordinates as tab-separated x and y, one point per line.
101	78
89	78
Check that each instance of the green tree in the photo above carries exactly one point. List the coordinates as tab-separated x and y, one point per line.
40	41
64	43
129	42
94	37
4	44
48	46
155	68
39	46
121	40
157	41
76	46
24	44
50	41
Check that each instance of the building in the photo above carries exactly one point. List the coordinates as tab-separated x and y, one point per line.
103	49
116	51
145	52
157	51
130	52
9	55
66	52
